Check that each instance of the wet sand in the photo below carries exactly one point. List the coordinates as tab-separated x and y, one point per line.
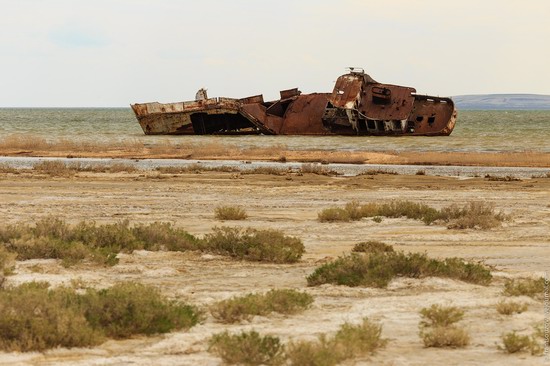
521	248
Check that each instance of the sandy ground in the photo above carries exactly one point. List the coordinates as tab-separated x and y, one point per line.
520	248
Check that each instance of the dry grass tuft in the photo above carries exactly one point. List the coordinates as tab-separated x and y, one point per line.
440	316
351	341
509	308
438	329
248	348
525	287
451	336
513	342
230	213
372	246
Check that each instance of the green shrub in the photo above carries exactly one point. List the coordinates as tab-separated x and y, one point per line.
472	215
440	316
525	287
247	348
445	336
513	343
351	341
255	245
509	308
131	308
53	238
35	318
230	213
282	301
333	214
378	269
372	246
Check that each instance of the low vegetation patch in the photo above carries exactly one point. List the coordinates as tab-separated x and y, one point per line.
438	328
525	287
247	348
255	245
86	241
513	342
7	261
378	269
351	341
472	215
281	301
54	238
510	307
36	318
230	213
440	316
372	246
451	336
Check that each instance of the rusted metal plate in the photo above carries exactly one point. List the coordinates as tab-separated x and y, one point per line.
358	105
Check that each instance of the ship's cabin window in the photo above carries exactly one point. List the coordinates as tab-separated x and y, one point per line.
431	120
419	118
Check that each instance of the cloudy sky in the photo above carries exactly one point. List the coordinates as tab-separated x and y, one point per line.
110	53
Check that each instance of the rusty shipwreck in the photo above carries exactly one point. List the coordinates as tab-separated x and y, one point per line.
358	105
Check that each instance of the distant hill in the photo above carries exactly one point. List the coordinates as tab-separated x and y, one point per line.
502	101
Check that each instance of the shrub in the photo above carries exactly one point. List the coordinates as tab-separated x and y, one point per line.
350	341
35	318
333	214
7	261
438	329
131	308
323	352
509	308
372	246
524	287
244	307
248	348
513	343
378	269
440	316
472	215
53	238
230	213
255	245
54	168
445	336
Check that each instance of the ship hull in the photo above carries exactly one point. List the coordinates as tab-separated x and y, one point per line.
358	106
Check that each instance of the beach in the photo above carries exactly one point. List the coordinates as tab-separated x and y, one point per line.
291	203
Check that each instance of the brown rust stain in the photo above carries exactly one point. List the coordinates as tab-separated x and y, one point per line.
358	105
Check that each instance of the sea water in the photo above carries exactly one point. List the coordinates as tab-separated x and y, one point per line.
475	131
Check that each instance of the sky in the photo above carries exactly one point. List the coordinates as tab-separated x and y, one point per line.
111	53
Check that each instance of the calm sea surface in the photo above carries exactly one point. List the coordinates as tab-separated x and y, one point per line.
474	131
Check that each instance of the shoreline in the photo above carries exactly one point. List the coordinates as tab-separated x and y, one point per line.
341	169
527	159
